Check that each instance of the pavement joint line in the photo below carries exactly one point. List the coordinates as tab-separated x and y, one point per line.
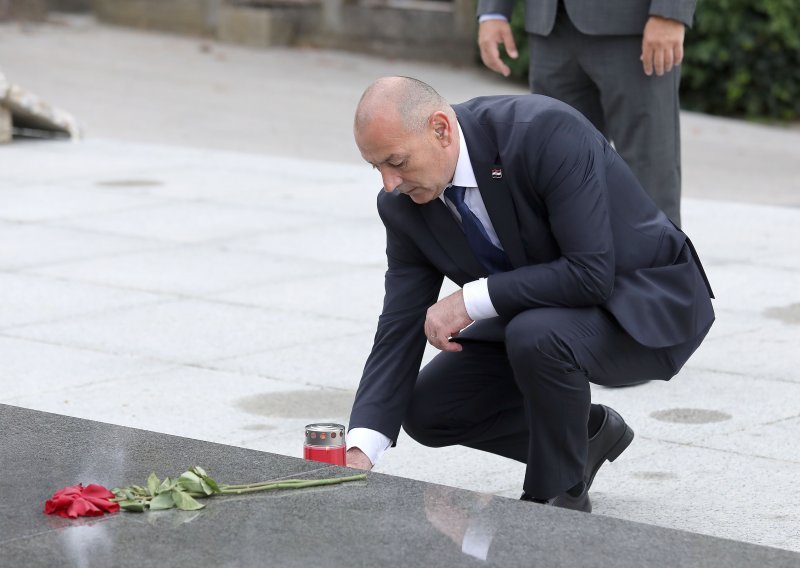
147	358
786	419
285	311
88	347
110	286
239	372
700	446
171	296
61	262
179	295
53	221
338	336
735	374
211	241
88	315
107	381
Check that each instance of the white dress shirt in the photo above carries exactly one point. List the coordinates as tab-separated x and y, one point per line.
476	294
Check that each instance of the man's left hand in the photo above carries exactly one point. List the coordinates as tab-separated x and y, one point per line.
662	45
445	319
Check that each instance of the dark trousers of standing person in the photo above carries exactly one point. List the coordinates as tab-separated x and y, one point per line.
602	77
528	397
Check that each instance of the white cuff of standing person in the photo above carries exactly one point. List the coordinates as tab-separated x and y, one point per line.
487	17
369	441
477	301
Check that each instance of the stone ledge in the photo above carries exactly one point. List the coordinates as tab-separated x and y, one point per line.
384	520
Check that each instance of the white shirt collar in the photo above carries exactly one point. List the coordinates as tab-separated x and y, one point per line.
464	176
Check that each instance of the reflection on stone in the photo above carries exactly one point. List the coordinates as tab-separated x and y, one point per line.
88	545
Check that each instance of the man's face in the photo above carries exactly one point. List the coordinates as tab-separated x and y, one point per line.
418	164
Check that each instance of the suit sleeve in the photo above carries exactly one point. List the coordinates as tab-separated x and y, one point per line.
681	10
411	286
504	7
564	163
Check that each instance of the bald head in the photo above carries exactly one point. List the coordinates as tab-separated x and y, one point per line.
409	100
409	133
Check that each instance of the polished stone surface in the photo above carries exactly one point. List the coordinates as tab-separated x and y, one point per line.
383	520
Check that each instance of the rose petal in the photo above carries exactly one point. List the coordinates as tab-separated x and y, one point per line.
71	490
59	503
104	504
94	490
83	508
77	501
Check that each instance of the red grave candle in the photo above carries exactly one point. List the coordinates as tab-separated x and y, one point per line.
325	443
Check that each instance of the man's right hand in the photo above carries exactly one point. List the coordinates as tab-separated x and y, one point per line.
358	459
491	34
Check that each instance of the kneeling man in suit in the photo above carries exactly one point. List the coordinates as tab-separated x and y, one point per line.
569	275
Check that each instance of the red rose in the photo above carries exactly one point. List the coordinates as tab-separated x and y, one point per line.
79	501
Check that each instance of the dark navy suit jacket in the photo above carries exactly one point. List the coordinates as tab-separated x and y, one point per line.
575	223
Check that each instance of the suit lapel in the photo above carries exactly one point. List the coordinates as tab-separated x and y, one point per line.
450	236
495	192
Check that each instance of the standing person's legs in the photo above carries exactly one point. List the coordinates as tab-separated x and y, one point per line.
555	71
642	115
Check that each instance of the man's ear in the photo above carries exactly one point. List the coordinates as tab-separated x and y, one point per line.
442	127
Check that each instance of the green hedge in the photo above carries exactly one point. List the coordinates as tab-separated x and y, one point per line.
742	58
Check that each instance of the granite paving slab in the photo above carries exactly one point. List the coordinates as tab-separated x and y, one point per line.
382	520
190	331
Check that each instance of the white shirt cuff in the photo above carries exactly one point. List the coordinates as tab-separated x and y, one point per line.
477	301
487	17
369	441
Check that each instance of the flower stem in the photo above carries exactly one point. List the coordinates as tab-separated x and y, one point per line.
286	484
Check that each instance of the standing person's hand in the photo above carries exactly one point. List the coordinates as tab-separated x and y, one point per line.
662	45
358	459
445	319
491	34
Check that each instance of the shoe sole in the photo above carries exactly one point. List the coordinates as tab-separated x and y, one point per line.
613	453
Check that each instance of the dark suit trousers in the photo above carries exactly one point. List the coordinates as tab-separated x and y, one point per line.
528	398
603	78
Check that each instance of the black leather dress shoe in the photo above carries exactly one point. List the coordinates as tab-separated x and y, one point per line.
565	501
607	444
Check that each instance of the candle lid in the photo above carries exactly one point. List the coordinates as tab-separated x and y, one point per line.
325	435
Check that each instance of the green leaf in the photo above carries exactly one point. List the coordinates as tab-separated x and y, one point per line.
153	483
185	502
199	471
133	506
166	485
212	484
163	501
207	489
190	482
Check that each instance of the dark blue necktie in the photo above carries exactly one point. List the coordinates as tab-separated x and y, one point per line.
491	257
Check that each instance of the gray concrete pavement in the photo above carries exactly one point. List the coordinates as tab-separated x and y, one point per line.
208	263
